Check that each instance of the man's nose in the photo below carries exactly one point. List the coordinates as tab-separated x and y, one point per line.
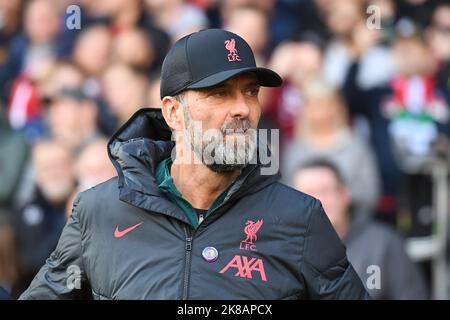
240	108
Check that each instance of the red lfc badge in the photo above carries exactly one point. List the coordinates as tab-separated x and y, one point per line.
230	45
251	228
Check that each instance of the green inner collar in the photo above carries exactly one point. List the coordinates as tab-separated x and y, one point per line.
168	188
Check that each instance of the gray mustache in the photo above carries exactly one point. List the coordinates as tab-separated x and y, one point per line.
236	125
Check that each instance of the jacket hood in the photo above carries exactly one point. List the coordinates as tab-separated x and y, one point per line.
141	144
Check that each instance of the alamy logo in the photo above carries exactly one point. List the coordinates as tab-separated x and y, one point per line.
74	277
245	267
251	228
73	19
230	45
374	280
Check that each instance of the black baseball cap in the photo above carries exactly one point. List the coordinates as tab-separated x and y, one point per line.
208	57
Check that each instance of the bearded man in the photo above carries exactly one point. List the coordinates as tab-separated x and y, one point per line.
198	217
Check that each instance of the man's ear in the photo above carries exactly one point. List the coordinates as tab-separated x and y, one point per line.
172	112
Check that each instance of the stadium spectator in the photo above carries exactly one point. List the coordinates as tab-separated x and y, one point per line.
30	57
323	130
352	41
64	74
92	53
72	118
176	17
135	48
125	90
37	43
438	38
93	165
228	6
38	224
122	15
406	117
11	11
368	243
251	23
13	157
298	63
9	263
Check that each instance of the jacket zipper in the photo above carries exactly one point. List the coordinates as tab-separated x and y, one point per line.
188	253
187	266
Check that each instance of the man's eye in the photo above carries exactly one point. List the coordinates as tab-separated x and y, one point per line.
220	94
253	92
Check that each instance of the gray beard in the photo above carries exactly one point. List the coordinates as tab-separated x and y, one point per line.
241	157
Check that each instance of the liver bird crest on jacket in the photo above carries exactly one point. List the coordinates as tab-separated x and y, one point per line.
251	229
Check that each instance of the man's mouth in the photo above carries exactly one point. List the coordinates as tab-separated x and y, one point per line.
233	132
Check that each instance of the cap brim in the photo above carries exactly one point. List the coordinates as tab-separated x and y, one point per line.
266	78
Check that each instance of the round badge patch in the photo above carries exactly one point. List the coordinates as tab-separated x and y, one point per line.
210	254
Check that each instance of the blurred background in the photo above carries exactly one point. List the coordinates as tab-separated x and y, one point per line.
363	115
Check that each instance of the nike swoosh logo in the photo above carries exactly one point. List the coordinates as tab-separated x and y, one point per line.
120	234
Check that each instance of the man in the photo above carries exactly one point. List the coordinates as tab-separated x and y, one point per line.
125	90
93	165
72	117
375	250
9	264
436	36
172	228
30	53
251	23
13	157
39	222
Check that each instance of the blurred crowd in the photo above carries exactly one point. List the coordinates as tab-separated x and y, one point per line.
363	108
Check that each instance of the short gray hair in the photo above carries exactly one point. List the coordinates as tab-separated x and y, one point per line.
181	98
